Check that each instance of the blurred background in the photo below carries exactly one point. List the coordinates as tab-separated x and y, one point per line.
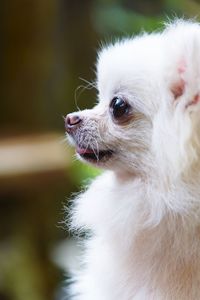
48	50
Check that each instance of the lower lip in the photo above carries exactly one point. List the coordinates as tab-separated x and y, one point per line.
81	151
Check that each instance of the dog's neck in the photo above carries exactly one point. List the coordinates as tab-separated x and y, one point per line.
162	196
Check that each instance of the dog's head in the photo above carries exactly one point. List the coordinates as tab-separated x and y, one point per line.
148	90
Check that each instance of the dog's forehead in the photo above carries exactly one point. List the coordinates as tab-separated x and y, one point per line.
128	65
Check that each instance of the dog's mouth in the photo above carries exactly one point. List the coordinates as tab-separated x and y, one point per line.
93	155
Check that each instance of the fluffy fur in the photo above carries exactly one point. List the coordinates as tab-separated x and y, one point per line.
143	212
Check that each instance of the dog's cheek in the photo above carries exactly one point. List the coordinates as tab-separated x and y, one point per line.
111	136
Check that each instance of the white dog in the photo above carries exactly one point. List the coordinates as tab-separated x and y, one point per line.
144	211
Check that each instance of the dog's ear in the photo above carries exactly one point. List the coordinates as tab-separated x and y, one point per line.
180	114
187	77
185	71
177	86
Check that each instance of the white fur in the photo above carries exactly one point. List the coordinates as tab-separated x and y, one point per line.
144	212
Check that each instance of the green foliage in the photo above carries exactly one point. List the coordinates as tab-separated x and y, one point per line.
81	172
115	18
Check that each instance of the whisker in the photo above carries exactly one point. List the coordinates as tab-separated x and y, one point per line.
95	153
82	88
88	143
97	145
90	84
63	140
99	133
97	149
74	158
76	95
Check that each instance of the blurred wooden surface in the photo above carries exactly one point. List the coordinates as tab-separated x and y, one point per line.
32	154
33	160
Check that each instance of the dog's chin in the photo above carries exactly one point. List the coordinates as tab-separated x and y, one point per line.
94	156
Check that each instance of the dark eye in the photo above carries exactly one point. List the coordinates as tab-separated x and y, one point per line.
119	108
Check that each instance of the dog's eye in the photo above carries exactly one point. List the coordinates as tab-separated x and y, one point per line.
119	108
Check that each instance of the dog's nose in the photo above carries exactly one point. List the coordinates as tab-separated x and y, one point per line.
72	121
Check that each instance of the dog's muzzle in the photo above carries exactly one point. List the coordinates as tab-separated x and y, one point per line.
73	123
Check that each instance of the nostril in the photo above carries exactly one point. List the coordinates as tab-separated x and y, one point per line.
72	121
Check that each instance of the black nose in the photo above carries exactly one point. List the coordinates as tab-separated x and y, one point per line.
72	121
